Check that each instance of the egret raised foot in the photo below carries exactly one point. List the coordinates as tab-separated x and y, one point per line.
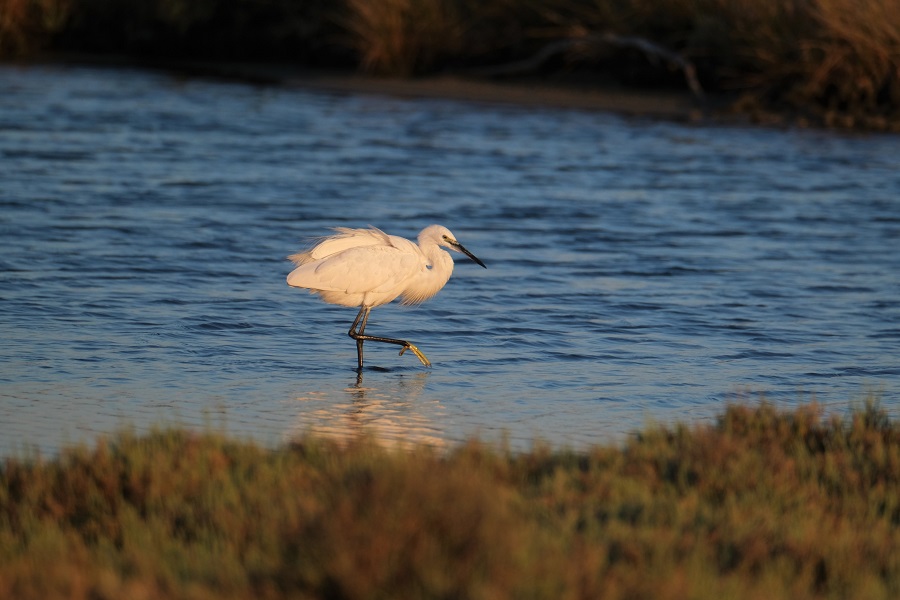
359	336
368	268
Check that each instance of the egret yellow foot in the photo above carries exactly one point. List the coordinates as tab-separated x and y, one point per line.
417	352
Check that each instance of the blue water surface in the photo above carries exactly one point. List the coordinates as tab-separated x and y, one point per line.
637	270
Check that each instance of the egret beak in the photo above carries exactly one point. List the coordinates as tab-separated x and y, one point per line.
462	249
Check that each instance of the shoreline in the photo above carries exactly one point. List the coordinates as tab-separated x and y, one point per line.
831	66
527	92
572	91
523	92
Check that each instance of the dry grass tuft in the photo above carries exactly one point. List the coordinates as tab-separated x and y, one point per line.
27	25
404	37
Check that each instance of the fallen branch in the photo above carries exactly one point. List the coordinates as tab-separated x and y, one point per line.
529	65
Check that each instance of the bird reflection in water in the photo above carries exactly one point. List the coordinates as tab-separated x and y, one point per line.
394	412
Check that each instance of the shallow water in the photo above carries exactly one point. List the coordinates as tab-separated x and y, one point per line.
637	271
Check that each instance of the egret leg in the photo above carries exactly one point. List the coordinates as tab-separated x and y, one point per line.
364	315
360	337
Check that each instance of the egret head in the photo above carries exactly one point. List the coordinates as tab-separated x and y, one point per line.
442	236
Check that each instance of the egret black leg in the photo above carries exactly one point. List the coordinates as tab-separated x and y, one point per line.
358	335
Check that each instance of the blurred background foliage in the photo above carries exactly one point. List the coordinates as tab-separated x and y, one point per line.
837	61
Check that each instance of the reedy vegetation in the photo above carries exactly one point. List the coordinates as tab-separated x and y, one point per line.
760	504
835	62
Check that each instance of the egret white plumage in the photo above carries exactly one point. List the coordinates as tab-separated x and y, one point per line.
368	268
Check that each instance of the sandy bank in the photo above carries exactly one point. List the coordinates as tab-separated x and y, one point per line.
526	92
665	105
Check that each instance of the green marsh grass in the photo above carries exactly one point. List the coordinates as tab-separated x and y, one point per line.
759	504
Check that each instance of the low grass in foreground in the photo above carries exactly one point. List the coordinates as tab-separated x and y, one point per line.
761	504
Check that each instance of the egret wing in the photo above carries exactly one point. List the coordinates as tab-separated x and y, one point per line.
345	239
377	269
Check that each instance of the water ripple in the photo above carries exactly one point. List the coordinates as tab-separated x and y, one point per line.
637	270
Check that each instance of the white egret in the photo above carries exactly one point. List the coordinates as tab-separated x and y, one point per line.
368	268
